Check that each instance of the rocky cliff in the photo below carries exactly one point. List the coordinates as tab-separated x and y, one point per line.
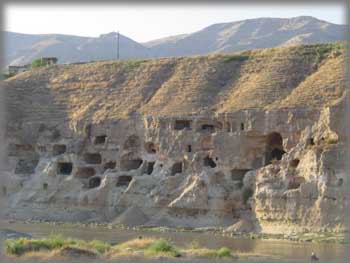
252	141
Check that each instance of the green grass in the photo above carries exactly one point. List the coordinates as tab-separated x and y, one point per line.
161	247
21	246
148	247
223	252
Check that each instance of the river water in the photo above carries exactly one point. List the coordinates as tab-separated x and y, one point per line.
270	251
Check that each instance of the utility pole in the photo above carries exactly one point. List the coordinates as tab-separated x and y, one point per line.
118	45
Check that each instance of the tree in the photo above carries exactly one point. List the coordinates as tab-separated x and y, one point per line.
41	62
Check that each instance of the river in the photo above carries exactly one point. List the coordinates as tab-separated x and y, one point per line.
270	250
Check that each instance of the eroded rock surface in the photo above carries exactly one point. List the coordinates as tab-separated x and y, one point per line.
263	169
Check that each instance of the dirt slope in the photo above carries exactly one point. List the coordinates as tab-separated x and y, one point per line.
301	76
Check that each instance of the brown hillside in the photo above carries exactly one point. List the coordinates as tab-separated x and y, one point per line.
308	75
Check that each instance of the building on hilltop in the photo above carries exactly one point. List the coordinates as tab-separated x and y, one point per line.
44	61
13	70
48	60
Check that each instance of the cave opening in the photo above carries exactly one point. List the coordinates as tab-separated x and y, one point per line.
189	148
176	168
182	124
101	139
130	164
294	163
310	141
150	167
109	165
238	174
64	168
242	126
208	127
209	162
93	158
94	182
277	154
274	147
20	149
228	127
26	166
85	172
123	181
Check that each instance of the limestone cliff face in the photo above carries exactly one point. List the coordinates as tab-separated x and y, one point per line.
193	142
307	189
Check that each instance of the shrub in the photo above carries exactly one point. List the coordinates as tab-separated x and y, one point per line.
15	247
41	62
161	247
21	246
210	253
224	252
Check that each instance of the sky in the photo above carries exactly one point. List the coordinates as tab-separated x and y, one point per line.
145	22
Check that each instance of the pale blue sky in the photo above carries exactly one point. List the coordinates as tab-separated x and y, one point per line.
143	22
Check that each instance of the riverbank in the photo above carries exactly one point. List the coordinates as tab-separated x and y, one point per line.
59	246
247	249
319	237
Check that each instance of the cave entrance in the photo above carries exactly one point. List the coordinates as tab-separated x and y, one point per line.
238	174
150	167
123	181
64	168
127	165
182	124
92	158
85	172
274	147
209	162
26	166
101	139
94	182
208	127
176	168
110	165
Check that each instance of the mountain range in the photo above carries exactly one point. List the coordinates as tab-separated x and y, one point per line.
217	38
